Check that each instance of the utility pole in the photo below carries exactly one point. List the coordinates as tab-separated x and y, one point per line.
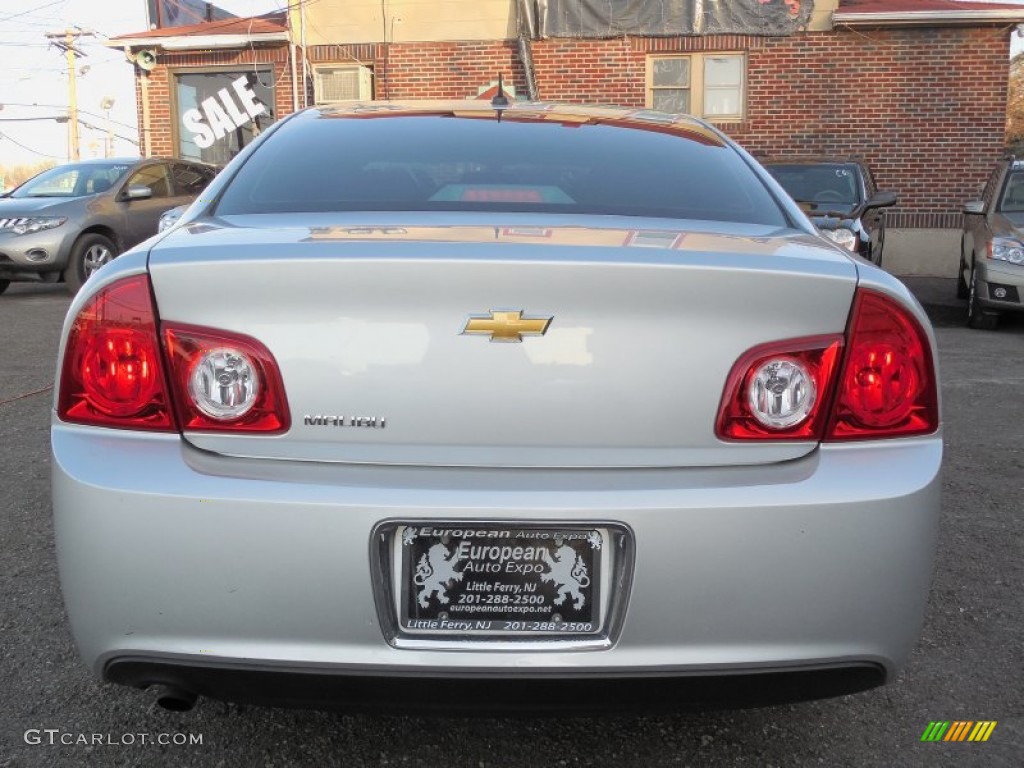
65	41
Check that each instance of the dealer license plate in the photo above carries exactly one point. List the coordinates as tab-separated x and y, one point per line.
500	580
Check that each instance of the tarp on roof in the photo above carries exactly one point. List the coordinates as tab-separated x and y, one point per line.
664	18
180	13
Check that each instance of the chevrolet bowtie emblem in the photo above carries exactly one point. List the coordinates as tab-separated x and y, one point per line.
507	325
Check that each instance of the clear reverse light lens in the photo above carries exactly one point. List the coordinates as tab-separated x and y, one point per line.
1007	250
36	224
841	236
781	393
224	384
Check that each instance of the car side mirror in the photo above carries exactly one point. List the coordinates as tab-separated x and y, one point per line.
975	207
881	200
138	192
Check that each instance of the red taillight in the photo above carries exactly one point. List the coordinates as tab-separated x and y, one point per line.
224	381
797	374
112	374
887	385
797	389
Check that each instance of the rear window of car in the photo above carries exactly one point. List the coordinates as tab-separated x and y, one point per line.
1012	200
427	163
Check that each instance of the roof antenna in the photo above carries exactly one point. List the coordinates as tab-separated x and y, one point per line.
500	100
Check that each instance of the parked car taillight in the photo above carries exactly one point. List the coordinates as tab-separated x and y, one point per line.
797	390
115	373
224	381
112	374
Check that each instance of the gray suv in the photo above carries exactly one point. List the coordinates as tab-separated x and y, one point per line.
991	274
67	222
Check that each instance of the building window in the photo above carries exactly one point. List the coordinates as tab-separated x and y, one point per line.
351	82
222	110
706	85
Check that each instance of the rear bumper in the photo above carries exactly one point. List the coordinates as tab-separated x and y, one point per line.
440	692
173	559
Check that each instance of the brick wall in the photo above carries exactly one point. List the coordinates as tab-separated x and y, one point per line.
451	70
925	107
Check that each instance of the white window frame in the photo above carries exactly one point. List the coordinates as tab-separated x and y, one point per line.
696	84
364	73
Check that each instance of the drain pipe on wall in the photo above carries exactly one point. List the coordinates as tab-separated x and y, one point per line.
295	84
527	25
305	53
147	149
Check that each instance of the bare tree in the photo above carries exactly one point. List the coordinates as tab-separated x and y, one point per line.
1015	104
13	175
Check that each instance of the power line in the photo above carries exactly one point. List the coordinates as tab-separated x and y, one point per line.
37	70
95	64
33	10
52	21
29	149
64	106
64	119
98	128
91	31
28	25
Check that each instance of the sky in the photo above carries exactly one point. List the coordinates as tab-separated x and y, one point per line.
32	72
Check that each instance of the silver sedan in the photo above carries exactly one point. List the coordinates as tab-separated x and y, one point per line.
475	406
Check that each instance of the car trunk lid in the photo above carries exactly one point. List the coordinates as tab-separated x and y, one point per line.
366	322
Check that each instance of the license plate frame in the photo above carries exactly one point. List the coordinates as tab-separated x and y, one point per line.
502	581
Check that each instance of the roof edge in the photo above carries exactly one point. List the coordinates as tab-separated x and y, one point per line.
197	42
928	18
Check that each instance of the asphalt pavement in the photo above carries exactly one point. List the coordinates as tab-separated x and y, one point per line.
968	664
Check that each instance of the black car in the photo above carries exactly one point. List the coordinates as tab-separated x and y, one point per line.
841	198
69	221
